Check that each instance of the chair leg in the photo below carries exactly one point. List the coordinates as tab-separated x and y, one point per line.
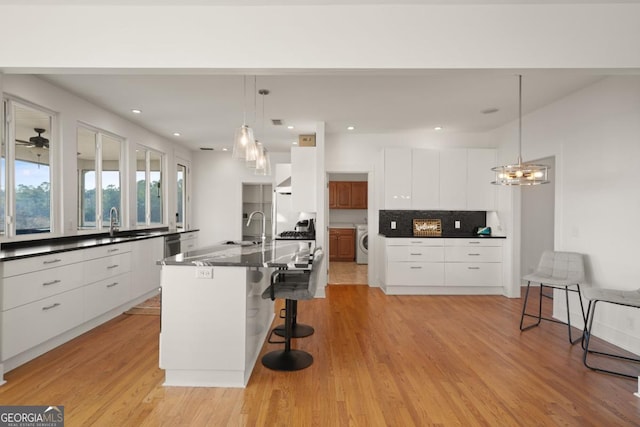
524	309
566	294
287	359
300	330
591	311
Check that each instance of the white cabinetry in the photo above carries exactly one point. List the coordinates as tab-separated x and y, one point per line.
481	194
303	179
397	178
442	266
47	300
146	271
453	179
188	241
425	179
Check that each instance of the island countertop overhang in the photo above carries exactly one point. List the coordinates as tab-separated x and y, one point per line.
277	253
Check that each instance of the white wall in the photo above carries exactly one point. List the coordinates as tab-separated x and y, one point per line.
593	135
360	36
70	110
217	193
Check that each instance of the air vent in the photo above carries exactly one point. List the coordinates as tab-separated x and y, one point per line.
206	148
276	122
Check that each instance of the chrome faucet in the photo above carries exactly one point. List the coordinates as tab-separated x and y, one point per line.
263	237
113	221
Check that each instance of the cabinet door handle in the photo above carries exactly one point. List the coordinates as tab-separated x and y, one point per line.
113	250
473	254
416	241
49	307
112	285
415	268
112	266
474	243
473	268
53	282
415	254
52	261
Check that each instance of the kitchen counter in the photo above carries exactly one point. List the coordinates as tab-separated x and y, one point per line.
30	248
214	319
444	236
276	253
342	225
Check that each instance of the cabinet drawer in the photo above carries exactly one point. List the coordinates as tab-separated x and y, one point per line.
31	324
473	242
415	273
104	295
402	241
472	254
102	268
28	265
417	253
473	274
190	235
106	250
26	288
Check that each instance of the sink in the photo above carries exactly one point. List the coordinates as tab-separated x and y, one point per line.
241	243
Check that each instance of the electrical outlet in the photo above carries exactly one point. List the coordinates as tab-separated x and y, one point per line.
204	272
457	224
393	225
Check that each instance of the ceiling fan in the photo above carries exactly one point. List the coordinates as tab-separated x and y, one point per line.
37	141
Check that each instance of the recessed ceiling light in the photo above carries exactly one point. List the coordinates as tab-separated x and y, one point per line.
289	127
176	134
295	142
136	111
351	127
225	149
437	128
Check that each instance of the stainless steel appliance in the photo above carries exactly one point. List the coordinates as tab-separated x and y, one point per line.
306	225
171	245
362	244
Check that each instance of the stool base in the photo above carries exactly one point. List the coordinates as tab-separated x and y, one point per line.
299	330
292	360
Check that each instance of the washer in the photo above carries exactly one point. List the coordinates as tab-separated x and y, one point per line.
362	244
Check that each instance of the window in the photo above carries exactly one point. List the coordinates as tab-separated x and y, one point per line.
25	169
181	198
99	177
149	186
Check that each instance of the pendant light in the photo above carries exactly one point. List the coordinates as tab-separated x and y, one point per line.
520	173
263	160
244	144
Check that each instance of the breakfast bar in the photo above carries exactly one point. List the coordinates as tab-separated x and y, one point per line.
214	319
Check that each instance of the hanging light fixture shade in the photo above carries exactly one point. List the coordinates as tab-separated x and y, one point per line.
244	143
521	173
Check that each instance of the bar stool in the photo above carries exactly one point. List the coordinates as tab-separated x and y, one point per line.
292	286
556	270
609	296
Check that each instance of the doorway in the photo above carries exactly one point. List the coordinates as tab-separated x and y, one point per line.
347	218
537	207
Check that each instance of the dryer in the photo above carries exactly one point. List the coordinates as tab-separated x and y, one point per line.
362	244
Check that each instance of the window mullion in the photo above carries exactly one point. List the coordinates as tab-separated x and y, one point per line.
98	169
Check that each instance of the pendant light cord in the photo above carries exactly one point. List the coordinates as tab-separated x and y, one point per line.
244	100
519	119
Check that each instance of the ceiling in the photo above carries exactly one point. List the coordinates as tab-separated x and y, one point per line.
298	2
206	108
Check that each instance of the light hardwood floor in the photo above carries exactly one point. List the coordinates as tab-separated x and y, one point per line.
379	361
347	273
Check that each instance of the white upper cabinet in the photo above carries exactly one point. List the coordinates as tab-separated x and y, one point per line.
422	179
453	179
425	184
303	179
397	178
481	194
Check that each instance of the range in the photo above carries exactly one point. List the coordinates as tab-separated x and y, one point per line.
296	235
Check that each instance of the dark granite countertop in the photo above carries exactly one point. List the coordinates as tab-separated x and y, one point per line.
444	236
25	249
277	253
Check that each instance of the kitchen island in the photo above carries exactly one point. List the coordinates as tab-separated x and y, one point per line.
214	319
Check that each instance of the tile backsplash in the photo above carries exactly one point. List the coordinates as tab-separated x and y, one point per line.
404	221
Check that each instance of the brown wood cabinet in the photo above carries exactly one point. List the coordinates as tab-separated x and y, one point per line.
342	244
348	195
